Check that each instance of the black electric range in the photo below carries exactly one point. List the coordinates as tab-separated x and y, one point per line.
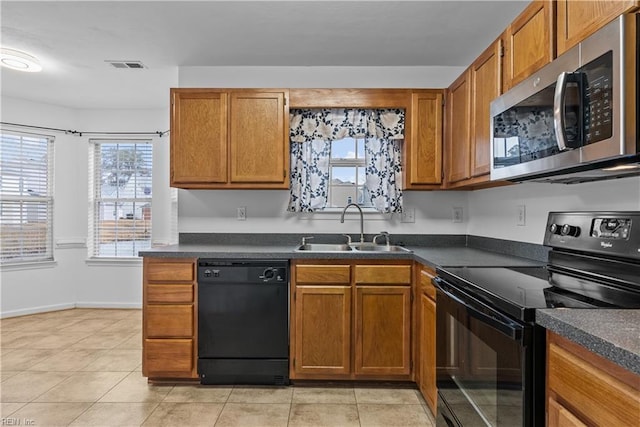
491	358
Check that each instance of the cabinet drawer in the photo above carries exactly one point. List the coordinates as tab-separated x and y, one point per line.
169	321
169	358
383	274
425	283
170	271
333	274
166	293
588	388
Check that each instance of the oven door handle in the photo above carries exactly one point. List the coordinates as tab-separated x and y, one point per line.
498	322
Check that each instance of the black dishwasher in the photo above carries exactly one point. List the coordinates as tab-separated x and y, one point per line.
243	321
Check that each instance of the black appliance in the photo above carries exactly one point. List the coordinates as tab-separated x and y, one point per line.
491	355
243	321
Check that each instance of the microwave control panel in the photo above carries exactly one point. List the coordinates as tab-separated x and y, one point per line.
598	102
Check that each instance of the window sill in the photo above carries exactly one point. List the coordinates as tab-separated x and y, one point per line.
117	262
28	265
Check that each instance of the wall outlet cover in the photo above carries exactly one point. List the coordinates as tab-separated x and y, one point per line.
521	218
457	214
242	213
408	215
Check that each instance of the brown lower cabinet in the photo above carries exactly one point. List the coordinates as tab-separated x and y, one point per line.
351	320
169	318
426	375
586	389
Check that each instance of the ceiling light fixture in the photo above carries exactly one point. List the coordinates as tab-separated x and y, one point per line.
18	60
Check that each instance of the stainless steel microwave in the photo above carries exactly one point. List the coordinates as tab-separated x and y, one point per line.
576	119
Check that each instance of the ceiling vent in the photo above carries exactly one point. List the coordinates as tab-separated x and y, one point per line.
126	64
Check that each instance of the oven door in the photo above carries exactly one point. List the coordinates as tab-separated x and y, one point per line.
485	364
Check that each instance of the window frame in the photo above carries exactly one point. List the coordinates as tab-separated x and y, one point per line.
47	256
97	200
354	162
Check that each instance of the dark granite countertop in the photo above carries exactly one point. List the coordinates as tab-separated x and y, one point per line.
453	256
610	333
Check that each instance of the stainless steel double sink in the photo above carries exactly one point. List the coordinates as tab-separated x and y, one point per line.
343	247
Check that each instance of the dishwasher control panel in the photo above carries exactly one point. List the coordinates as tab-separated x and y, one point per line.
223	271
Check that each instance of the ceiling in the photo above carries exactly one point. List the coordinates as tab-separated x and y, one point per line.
73	39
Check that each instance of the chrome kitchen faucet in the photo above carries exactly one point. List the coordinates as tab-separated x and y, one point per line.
361	219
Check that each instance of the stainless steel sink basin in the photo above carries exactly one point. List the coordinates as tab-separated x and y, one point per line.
324	247
370	247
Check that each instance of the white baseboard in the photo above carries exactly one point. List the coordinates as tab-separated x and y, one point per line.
36	310
58	307
88	304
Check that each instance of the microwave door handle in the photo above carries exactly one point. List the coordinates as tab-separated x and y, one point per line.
558	111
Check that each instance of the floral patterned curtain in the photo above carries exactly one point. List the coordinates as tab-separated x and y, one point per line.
311	134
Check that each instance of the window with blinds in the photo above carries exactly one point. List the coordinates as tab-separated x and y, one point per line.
26	197
121	191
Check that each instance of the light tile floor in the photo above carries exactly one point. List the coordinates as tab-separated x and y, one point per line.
82	367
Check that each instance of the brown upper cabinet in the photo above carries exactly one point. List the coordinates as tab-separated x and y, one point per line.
577	20
423	148
229	138
529	42
457	133
486	85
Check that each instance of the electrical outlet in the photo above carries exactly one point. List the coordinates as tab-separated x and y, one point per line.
408	215
242	213
456	214
521	218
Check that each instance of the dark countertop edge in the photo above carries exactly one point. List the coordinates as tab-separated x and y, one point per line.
594	343
287	252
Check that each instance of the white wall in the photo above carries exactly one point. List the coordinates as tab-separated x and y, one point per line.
215	211
318	77
71	280
492	212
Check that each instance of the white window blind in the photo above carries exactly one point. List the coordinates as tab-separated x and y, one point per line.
120	194
26	197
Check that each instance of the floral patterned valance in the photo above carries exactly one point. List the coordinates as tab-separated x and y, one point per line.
332	124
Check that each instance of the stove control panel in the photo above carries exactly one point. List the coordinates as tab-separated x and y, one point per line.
612	233
611	228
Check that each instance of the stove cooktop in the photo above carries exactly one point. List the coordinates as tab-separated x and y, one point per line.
517	291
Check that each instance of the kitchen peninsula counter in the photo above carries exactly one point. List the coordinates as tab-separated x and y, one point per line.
611	333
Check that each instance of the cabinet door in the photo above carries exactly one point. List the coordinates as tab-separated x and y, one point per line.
427	379
458	129
382	331
576	20
424	151
322	331
529	42
198	137
258	138
559	416
486	81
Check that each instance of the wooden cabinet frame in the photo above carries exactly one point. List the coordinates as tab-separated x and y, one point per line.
169	318
349	281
